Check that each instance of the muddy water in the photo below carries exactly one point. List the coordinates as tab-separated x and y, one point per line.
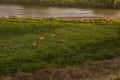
44	12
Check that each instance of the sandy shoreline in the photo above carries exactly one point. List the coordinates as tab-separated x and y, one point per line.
87	18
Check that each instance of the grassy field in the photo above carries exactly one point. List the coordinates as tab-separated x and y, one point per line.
86	42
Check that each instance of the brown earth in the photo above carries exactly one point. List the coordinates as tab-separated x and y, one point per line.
100	70
86	18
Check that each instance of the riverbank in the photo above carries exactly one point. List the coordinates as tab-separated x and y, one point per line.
77	45
87	41
68	3
86	18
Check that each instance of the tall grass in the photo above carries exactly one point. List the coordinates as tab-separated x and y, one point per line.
85	43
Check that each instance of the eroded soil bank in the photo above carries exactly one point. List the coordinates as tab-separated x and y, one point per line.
100	70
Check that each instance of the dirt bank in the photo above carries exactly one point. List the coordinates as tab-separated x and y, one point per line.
100	70
87	18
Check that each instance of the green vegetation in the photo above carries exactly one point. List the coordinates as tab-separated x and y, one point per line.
85	43
70	3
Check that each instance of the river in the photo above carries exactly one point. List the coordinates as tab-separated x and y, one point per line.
45	12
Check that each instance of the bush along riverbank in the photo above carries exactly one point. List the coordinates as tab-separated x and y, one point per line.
68	3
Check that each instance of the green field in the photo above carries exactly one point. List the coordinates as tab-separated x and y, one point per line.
85	43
